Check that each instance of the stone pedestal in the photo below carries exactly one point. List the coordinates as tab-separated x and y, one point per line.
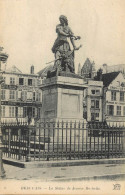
62	99
62	122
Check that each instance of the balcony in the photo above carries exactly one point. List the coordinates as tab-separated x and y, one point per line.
12	122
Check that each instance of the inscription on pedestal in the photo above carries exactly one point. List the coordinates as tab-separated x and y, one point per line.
70	105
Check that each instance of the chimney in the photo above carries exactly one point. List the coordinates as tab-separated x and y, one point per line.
99	75
32	70
105	68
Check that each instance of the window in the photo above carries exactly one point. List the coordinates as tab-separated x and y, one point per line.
20	111
123	110
24	95
92	116
21	81
97	115
37	96
16	111
94	103
121	96
85	115
113	95
11	111
29	95
33	112
97	103
119	110
123	84
30	82
34	97
12	81
24	111
12	94
110	110
3	111
93	91
29	112
38	112
97	92
3	94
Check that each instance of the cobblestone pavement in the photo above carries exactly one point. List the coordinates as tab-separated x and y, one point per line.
68	173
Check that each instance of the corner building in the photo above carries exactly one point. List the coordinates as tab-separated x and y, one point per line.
113	97
21	97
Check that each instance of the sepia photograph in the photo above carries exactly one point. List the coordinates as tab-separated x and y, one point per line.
62	97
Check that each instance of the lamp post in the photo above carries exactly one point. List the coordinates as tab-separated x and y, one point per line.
3	58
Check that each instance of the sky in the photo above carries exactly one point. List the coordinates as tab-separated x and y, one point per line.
27	31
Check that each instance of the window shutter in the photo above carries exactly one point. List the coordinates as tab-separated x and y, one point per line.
25	81
22	94
19	94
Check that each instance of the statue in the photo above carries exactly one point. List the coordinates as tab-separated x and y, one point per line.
64	56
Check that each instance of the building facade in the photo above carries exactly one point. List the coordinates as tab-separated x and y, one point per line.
113	96
88	69
92	101
21	97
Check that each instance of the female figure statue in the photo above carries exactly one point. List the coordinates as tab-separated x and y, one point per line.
64	57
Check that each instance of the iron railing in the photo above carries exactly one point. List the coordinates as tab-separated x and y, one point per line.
65	140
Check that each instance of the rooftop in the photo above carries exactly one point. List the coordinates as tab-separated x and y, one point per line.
108	78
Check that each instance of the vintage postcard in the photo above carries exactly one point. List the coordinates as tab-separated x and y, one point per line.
62	97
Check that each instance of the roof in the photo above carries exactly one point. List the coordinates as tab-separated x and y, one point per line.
13	69
43	72
114	68
108	78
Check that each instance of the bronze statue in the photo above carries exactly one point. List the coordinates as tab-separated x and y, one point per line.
64	56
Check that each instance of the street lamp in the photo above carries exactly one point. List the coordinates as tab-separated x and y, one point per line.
3	58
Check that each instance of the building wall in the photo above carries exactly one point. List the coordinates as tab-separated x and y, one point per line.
21	97
115	100
92	101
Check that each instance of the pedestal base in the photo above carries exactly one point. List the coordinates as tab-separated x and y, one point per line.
62	127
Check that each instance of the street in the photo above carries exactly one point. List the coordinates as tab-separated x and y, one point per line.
86	172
